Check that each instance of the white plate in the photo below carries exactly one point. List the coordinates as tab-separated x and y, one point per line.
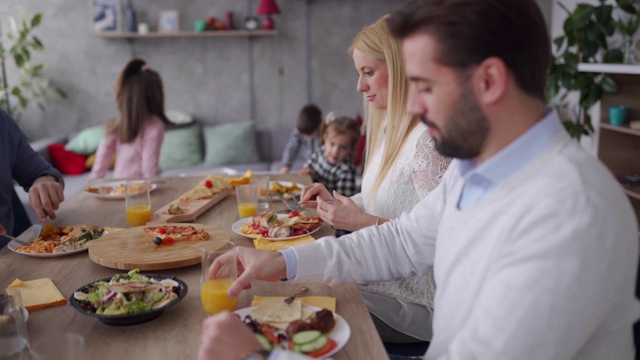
240	223
112	184
340	333
12	245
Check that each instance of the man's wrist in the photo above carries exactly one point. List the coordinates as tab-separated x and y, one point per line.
52	175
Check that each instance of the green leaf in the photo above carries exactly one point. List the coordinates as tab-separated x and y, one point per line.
35	21
613	56
608	84
558	42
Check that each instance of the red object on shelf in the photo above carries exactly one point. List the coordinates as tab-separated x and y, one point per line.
268	7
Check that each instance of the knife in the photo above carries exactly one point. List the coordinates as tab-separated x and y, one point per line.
17	240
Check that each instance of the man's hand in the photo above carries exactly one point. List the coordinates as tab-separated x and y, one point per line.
224	336
3	231
344	213
45	196
251	264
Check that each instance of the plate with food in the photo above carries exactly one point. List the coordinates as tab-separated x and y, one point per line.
128	299
111	190
287	189
55	241
310	330
272	226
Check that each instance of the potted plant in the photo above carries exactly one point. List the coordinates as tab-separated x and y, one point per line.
31	85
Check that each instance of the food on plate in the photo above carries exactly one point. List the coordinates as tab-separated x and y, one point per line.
242	180
59	239
208	187
175	209
269	225
173	233
277	187
306	331
127	294
114	190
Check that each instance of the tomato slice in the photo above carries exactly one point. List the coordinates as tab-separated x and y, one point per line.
162	231
208	184
168	240
294	214
271	337
331	344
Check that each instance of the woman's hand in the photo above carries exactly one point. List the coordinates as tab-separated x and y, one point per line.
343	213
45	196
225	336
312	192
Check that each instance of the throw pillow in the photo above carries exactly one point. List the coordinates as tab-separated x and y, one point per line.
86	141
230	143
181	147
67	162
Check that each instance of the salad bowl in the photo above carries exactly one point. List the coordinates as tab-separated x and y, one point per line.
84	307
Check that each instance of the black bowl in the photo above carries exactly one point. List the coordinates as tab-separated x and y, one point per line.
130	319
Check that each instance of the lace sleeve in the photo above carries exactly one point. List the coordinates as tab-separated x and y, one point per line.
429	165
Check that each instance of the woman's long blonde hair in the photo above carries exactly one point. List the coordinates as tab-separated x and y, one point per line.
376	41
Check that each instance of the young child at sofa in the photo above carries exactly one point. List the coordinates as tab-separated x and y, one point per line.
304	137
136	134
332	163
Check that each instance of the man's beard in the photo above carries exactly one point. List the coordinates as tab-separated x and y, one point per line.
465	132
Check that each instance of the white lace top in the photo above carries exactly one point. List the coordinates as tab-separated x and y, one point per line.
417	171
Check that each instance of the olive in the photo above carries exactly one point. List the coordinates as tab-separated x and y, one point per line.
157	240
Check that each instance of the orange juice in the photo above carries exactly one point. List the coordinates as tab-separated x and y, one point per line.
138	215
213	294
247	209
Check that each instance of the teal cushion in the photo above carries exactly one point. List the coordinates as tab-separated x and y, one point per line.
181	147
86	141
230	143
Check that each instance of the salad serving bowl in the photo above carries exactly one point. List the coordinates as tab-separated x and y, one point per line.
128	319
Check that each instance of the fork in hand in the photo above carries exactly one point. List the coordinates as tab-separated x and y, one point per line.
290	204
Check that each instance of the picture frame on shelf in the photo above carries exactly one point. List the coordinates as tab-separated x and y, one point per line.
105	16
169	21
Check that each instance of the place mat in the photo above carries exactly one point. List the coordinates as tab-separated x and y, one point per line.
38	294
263	244
325	302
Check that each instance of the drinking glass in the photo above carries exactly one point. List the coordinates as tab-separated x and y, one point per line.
137	202
247	196
14	337
59	346
262	182
215	282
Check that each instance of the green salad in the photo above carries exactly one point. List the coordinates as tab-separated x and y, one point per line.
127	294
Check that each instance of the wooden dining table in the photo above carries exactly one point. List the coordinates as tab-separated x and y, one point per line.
176	333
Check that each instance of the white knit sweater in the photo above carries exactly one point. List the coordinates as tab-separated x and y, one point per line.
542	267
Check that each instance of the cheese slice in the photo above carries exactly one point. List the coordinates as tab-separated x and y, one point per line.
38	294
277	311
273	245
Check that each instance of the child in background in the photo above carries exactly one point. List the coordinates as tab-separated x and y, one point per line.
304	138
136	134
332	164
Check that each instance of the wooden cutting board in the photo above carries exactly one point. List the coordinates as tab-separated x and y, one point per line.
192	209
132	248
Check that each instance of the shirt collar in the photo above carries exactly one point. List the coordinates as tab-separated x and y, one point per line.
516	155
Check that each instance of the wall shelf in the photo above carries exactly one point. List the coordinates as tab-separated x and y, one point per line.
610	68
155	35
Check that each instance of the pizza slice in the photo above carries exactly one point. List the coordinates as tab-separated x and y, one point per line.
177	232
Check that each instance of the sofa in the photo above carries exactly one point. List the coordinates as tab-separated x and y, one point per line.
203	140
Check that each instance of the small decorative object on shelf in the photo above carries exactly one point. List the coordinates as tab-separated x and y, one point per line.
618	114
130	16
106	15
143	28
199	25
229	20
251	23
168	21
268	7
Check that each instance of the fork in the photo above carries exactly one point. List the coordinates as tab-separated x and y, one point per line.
32	232
290	299
291	205
16	239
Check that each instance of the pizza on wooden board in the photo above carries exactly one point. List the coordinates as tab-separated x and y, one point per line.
177	232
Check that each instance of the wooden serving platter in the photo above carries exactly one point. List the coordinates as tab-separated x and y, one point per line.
192	209
132	248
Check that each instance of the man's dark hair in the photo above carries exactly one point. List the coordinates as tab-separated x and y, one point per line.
470	31
309	119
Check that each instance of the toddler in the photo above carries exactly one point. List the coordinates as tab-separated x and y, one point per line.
304	138
332	164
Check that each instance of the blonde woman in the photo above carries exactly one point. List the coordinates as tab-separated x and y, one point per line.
401	167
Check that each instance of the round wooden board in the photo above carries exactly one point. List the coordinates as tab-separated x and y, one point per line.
132	248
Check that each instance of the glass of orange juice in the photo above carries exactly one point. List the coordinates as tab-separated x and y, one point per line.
137	202
247	196
217	276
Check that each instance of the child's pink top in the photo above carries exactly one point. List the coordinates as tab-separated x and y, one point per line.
136	159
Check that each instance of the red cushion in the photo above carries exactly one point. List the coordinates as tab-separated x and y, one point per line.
66	161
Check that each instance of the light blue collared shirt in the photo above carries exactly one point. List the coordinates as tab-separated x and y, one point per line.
479	180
